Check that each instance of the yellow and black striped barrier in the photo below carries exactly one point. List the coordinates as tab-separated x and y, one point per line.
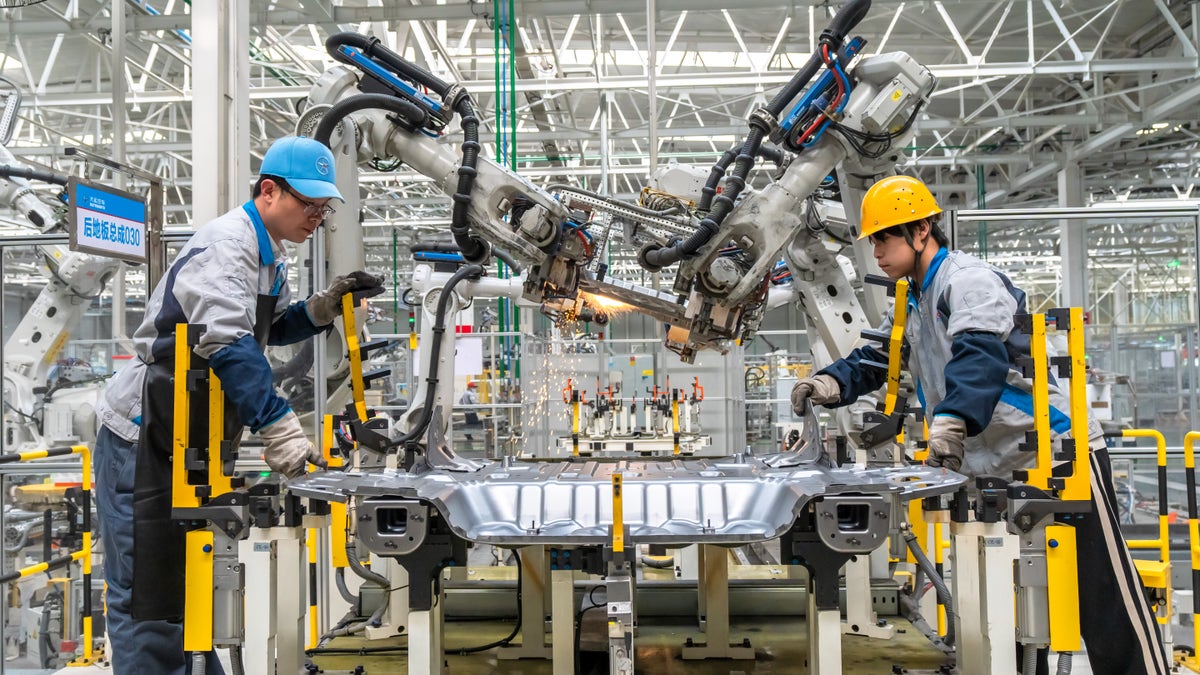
1156	574
1189	459
84	554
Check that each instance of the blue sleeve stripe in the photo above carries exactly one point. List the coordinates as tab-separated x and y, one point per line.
1023	401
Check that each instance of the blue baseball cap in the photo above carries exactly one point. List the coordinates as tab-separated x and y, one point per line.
306	165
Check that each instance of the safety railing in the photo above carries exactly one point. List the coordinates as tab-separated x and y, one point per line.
84	554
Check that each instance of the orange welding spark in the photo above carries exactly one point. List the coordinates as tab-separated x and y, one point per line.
606	303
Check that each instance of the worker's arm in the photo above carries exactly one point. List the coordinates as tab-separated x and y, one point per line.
246	377
294	325
981	308
975	378
318	313
855	380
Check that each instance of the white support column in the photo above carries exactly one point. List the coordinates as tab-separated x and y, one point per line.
291	597
258	557
220	108
860	609
714	592
984	617
117	78
824	639
425	655
1073	239
562	598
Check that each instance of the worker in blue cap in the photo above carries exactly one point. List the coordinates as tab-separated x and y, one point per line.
232	278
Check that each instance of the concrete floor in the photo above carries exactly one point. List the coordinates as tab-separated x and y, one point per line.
781	646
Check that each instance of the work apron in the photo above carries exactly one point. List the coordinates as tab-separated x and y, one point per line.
158	539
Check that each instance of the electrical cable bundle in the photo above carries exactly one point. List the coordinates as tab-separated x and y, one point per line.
762	121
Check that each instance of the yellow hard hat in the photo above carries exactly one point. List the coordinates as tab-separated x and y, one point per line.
895	200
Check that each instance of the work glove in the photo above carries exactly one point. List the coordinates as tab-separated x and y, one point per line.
325	306
288	448
946	437
820	389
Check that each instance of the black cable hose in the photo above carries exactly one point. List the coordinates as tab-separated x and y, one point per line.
714	179
771	154
516	629
374	49
343	589
843	22
411	112
358	651
939	585
796	84
473	248
656	258
8	171
507	259
361	570
439	331
579	625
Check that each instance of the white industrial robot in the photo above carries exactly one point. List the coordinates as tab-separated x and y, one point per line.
40	412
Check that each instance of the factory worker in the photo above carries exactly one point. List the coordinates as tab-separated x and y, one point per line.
963	357
231	277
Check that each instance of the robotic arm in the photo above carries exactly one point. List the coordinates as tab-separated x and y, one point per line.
392	120
855	115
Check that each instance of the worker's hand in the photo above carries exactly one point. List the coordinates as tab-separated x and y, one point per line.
946	437
288	448
326	306
820	389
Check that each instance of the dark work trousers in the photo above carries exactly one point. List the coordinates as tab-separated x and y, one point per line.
139	647
1119	630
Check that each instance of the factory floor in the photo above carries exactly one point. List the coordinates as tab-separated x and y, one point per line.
781	646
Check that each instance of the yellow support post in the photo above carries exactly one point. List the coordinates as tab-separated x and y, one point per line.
1039	475
217	479
198	592
920	528
675	422
355	353
1062	575
939	559
85	456
337	510
1078	486
183	494
311	544
896	346
575	425
618	537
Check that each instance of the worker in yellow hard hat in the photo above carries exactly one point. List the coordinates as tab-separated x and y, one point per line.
964	359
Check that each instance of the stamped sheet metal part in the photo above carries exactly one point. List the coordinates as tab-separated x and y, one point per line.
717	501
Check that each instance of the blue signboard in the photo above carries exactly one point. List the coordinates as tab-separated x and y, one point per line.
106	221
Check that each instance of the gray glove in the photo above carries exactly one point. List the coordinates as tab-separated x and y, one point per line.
820	389
288	448
325	306
946	437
